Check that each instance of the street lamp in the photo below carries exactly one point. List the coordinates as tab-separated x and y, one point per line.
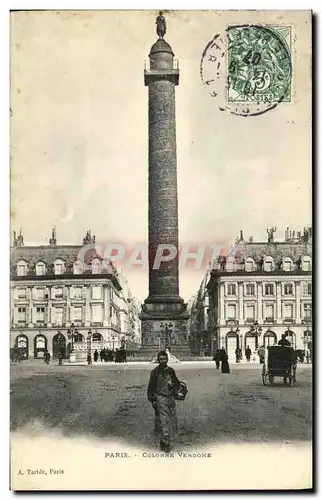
89	347
72	332
256	330
241	344
113	340
167	329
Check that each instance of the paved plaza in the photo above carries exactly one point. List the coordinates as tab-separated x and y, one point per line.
109	401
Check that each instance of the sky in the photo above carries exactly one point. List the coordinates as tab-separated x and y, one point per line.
79	135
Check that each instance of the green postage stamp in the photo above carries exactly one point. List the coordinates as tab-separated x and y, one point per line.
259	64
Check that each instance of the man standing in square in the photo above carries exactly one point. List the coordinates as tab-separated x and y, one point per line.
162	385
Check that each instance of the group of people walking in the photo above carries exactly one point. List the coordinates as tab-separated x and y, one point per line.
221	356
118	355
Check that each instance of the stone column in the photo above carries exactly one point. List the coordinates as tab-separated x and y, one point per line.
241	302
298	302
278	302
222	303
260	303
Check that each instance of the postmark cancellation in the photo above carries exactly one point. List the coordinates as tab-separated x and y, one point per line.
249	68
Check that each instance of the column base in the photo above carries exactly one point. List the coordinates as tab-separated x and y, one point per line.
164	325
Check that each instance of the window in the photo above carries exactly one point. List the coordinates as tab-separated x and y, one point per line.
77	293
250	289
21	315
77	267
40	314
40	342
77	314
58	293
250	265
288	311
306	263
58	316
231	311
250	312
231	289
307	308
269	289
268	264
59	266
287	265
307	288
39	293
21	293
22	268
96	292
96	266
288	289
97	313
269	311
40	269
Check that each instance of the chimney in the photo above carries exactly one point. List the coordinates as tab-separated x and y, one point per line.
53	240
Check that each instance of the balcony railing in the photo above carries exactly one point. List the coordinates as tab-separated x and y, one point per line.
288	320
269	320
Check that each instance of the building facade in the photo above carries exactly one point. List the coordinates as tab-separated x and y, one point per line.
58	298
199	336
261	291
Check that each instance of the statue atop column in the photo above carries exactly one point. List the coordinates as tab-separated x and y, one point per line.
161	25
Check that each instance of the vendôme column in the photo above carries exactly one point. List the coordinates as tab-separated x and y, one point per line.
164	316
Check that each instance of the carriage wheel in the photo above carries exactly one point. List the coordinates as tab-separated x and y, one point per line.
264	375
291	377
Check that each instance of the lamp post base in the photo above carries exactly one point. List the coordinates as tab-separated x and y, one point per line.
72	357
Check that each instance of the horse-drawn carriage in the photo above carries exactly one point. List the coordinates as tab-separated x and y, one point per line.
280	362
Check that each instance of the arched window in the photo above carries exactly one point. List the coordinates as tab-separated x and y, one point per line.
250	265
96	266
78	337
306	263
97	337
40	269
22	268
287	264
77	267
268	263
59	266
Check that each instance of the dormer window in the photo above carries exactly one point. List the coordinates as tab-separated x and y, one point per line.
96	266
249	265
306	263
77	267
40	269
22	268
287	264
59	266
268	264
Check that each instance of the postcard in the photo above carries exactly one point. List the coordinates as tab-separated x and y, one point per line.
161	250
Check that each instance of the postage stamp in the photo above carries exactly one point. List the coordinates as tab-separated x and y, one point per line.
259	64
249	68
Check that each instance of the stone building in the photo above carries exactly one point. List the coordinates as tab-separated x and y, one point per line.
257	293
60	293
200	342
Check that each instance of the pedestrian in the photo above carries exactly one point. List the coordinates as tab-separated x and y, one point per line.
102	354
47	357
95	356
224	361
261	354
284	341
248	353
216	358
162	385
238	354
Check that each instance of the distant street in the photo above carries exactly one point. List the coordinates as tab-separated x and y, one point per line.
109	400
